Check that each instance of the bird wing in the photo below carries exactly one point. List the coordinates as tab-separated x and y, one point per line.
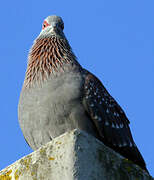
110	120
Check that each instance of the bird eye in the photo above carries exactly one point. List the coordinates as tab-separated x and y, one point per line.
45	24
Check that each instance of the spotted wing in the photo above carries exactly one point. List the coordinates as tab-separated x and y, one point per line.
110	120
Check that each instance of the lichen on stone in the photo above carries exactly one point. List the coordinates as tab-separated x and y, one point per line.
17	174
6	175
51	158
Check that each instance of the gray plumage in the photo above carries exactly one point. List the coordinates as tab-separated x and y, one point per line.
58	95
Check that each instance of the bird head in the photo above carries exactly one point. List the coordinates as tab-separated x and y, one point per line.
52	26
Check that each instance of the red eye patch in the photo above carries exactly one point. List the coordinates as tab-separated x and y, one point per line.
45	24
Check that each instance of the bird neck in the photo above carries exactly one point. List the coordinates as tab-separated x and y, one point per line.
49	57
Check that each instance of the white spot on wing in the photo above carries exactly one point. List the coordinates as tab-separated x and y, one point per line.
117	126
106	123
130	144
121	111
120	145
95	117
99	119
124	144
88	91
110	105
113	126
121	125
107	110
92	105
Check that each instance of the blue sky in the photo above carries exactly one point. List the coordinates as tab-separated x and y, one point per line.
112	39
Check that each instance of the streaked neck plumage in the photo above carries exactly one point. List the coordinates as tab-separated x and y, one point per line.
49	56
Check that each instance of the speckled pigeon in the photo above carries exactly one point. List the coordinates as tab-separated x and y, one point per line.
58	95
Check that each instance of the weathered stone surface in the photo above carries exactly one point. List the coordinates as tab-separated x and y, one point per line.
74	156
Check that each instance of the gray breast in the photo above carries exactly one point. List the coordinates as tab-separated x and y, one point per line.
51	109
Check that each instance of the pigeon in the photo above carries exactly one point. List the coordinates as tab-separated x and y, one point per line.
59	95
